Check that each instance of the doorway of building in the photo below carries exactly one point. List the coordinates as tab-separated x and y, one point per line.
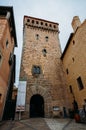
37	106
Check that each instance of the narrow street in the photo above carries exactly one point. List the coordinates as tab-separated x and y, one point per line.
43	124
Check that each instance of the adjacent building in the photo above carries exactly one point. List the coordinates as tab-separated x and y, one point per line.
74	61
42	68
8	42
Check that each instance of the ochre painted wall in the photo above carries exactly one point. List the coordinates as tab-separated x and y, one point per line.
75	61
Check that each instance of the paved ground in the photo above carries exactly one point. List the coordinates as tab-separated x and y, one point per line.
43	124
75	126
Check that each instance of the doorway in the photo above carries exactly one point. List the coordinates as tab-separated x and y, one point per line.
37	106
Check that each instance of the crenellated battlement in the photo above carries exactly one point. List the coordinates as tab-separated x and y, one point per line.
40	23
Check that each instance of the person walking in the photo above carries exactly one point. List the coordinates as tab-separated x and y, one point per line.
84	107
76	111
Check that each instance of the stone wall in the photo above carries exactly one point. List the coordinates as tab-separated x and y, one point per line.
50	83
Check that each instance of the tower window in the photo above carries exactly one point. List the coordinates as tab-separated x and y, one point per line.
32	21
10	59
36	70
41	23
73	59
0	58
28	20
73	42
45	24
54	26
7	44
46	38
67	71
80	84
0	96
71	90
44	52
50	25
37	36
37	22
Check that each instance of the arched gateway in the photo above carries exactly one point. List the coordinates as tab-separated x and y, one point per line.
36	106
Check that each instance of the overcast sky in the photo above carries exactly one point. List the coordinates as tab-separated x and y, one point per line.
60	11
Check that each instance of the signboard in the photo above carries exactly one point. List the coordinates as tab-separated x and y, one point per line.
56	108
20	105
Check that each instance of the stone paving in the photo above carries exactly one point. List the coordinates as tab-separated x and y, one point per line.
43	124
56	124
64	124
75	126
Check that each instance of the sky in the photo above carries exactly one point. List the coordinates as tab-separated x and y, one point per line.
60	11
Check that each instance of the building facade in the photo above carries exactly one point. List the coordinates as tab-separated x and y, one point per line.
74	61
7	59
42	68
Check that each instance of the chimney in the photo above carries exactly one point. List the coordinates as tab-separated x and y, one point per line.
75	23
8	15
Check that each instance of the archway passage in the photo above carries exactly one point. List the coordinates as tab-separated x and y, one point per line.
37	106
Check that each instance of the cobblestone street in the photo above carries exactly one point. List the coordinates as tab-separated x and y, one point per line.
43	124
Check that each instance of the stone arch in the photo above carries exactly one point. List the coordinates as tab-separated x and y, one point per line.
37	106
44	92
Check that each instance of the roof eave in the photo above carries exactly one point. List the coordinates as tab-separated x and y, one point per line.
67	45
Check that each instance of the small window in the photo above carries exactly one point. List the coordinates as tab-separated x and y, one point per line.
41	23
36	70
7	44
10	59
28	20
46	24
37	36
32	21
0	58
67	71
80	84
71	90
50	25
46	38
0	96
44	52
73	59
54	26
37	22
73	42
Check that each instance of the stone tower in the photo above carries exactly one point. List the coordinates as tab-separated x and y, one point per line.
41	67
